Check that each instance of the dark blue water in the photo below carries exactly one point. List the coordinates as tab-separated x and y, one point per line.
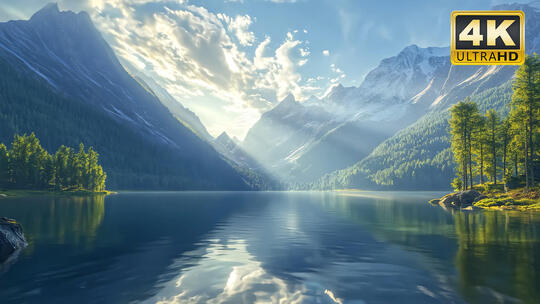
220	247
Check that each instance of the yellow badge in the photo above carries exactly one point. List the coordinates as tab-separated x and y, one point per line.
487	37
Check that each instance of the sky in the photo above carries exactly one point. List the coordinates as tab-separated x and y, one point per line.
229	61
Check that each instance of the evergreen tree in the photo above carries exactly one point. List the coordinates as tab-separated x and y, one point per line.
96	176
526	106
464	119
48	174
61	165
4	166
28	166
80	167
479	143
492	143
517	142
514	140
26	159
506	137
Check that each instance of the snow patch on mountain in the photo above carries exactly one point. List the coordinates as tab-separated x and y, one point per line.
31	67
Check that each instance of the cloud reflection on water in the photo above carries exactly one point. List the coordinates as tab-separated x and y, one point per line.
228	273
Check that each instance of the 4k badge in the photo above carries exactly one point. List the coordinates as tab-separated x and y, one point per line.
488	37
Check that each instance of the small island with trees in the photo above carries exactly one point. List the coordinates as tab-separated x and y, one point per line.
497	159
27	168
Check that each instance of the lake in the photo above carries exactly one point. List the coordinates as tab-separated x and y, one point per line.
277	247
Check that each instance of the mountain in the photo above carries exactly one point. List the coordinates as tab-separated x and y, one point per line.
255	175
302	141
60	79
183	114
282	134
230	149
396	81
419	156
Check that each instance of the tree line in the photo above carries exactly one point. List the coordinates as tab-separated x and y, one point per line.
26	165
491	147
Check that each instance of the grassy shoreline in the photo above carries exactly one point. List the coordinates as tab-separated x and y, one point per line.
516	199
25	192
495	198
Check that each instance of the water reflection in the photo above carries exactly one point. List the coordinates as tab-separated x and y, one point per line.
269	247
295	250
497	256
494	245
228	273
57	219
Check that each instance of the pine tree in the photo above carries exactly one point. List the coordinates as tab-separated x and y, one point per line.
4	166
526	105
26	160
517	142
28	166
479	143
463	121
61	165
48	173
80	166
506	137
492	143
96	176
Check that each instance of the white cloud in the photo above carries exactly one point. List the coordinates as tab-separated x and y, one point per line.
199	57
340	74
326	52
313	80
240	27
335	69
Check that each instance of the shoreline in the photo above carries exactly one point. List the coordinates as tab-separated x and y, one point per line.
515	199
25	193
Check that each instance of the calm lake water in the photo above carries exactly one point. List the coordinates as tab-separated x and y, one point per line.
241	247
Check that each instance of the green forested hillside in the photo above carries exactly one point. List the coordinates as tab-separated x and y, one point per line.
417	157
29	104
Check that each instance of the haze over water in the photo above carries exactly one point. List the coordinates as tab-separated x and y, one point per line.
293	247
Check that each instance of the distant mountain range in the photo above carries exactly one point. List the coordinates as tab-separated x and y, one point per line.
388	133
303	141
418	157
60	79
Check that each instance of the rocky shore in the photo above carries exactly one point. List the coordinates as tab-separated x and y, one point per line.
459	200
11	238
517	199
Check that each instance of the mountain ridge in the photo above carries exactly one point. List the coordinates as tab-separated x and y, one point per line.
79	69
427	162
297	138
394	95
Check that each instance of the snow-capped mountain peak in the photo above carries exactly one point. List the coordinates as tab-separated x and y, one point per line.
406	74
393	84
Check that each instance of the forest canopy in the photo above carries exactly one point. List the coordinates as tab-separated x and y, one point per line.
507	147
26	165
